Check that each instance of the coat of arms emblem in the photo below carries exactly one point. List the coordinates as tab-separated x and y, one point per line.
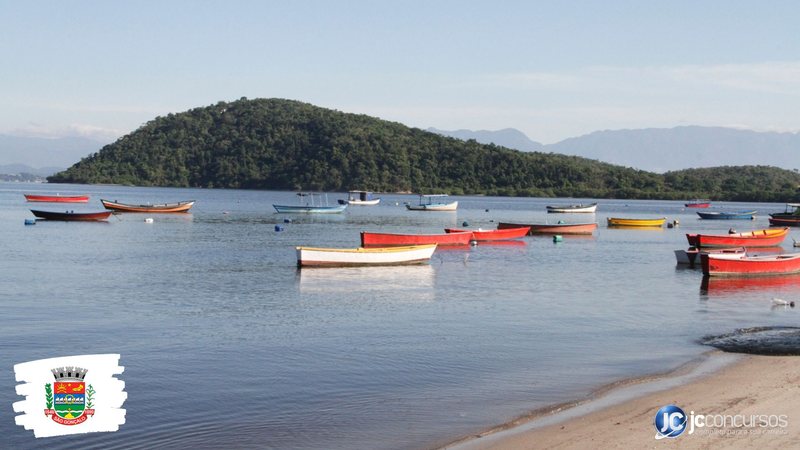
69	399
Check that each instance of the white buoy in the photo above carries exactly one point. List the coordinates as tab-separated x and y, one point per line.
148	220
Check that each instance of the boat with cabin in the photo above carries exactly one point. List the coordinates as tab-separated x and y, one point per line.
360	198
310	203
432	202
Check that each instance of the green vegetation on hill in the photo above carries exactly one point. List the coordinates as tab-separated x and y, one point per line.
283	144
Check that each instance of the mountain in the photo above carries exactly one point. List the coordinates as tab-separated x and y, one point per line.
44	152
285	144
661	149
12	169
507	137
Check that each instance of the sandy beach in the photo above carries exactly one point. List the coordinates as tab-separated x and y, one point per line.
750	402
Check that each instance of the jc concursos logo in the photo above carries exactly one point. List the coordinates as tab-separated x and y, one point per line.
670	422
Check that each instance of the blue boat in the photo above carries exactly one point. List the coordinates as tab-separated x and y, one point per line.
728	215
311	206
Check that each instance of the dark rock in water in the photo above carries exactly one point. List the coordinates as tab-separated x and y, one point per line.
774	341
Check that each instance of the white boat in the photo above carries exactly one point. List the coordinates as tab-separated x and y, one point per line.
360	198
431	202
382	256
580	208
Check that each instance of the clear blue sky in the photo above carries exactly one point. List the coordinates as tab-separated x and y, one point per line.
551	69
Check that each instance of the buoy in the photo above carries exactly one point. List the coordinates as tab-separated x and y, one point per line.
558	238
670	225
30	221
224	212
287	220
676	222
731	231
473	243
148	220
465	224
487	210
561	222
278	228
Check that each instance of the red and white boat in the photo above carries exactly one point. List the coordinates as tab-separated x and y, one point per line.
692	255
769	237
493	235
554	228
393	239
721	265
58	198
349	257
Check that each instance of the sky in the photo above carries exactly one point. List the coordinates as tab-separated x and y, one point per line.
552	69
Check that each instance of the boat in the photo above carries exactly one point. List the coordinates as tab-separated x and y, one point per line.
72	216
369	239
623	222
728	215
692	255
698	203
429	202
499	234
178	207
742	265
580	208
58	198
792	211
344	257
312	206
554	228
360	198
759	238
784	221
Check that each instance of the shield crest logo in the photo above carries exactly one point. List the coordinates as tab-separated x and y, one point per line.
69	399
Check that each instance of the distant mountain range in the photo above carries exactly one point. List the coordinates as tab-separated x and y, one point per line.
660	149
42	156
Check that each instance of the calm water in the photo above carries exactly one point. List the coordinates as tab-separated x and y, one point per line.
226	344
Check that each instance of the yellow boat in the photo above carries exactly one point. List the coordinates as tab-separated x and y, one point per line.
620	222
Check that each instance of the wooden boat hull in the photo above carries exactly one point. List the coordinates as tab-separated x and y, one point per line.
336	257
393	240
434	207
623	222
57	198
741	215
72	216
692	255
563	209
179	207
493	235
741	265
785	222
555	228
301	209
759	238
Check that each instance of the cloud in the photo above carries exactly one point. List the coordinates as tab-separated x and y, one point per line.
100	134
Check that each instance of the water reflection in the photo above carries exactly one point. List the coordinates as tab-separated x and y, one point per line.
404	280
738	285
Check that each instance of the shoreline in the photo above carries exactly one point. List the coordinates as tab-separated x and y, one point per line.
621	414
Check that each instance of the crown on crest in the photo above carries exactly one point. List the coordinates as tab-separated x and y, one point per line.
69	373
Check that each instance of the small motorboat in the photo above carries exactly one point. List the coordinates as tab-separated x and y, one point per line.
344	257
360	198
72	216
432	202
698	203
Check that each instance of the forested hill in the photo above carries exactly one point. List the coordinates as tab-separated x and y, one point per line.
284	144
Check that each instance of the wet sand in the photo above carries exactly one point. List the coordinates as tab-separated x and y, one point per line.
623	415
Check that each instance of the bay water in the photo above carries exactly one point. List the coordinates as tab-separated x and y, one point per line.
226	344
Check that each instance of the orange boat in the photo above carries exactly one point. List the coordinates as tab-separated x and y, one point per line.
393	240
494	235
554	228
769	237
58	198
179	207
